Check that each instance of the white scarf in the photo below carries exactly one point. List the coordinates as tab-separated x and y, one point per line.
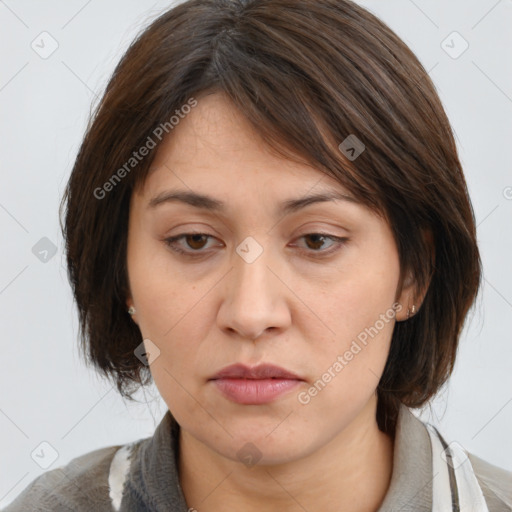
454	484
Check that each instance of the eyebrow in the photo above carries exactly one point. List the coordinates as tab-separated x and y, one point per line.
209	203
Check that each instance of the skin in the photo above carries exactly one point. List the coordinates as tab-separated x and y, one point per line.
287	307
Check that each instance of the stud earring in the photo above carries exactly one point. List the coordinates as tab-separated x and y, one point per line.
411	311
131	310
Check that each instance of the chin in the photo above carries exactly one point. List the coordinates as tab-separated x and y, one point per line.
263	452
263	442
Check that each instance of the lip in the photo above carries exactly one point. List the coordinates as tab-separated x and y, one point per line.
261	371
254	385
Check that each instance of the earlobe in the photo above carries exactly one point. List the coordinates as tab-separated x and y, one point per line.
408	298
411	298
131	310
405	313
411	311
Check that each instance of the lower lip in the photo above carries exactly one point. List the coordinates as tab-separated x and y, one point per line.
254	391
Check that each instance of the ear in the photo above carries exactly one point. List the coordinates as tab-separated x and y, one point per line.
409	295
408	298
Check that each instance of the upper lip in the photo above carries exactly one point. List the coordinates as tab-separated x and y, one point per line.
261	371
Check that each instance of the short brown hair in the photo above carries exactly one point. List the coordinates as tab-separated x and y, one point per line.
306	74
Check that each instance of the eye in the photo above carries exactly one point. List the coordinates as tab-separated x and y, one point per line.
195	241
316	241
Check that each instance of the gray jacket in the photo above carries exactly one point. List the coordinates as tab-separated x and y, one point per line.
142	476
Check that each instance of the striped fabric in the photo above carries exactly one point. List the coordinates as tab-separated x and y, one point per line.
454	484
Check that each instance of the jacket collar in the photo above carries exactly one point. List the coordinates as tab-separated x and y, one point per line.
153	483
411	480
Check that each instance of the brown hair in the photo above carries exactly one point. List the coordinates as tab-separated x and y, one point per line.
306	74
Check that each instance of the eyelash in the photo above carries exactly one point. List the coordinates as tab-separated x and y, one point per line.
340	241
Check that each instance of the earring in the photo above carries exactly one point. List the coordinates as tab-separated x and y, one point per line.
411	311
131	310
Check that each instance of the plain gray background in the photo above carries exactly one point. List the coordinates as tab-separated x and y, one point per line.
47	394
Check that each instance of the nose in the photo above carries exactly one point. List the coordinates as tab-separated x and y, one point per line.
255	299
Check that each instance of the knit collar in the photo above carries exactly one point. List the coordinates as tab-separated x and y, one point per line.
410	488
154	483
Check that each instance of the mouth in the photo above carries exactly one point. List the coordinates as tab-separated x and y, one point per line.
255	386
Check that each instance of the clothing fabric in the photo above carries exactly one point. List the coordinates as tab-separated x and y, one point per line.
142	476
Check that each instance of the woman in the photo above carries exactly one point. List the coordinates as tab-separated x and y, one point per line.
268	217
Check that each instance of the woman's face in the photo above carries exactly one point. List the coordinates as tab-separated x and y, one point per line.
258	287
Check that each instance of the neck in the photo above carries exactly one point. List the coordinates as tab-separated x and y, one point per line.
350	472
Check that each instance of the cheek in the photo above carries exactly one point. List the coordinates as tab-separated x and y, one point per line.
348	366
164	294
357	320
177	372
173	311
178	323
363	288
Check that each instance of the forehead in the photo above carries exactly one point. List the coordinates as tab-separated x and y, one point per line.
215	148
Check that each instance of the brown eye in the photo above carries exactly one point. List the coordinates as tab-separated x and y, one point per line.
315	244
189	244
317	240
193	244
196	241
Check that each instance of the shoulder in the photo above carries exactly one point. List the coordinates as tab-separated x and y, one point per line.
82	484
462	472
495	482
